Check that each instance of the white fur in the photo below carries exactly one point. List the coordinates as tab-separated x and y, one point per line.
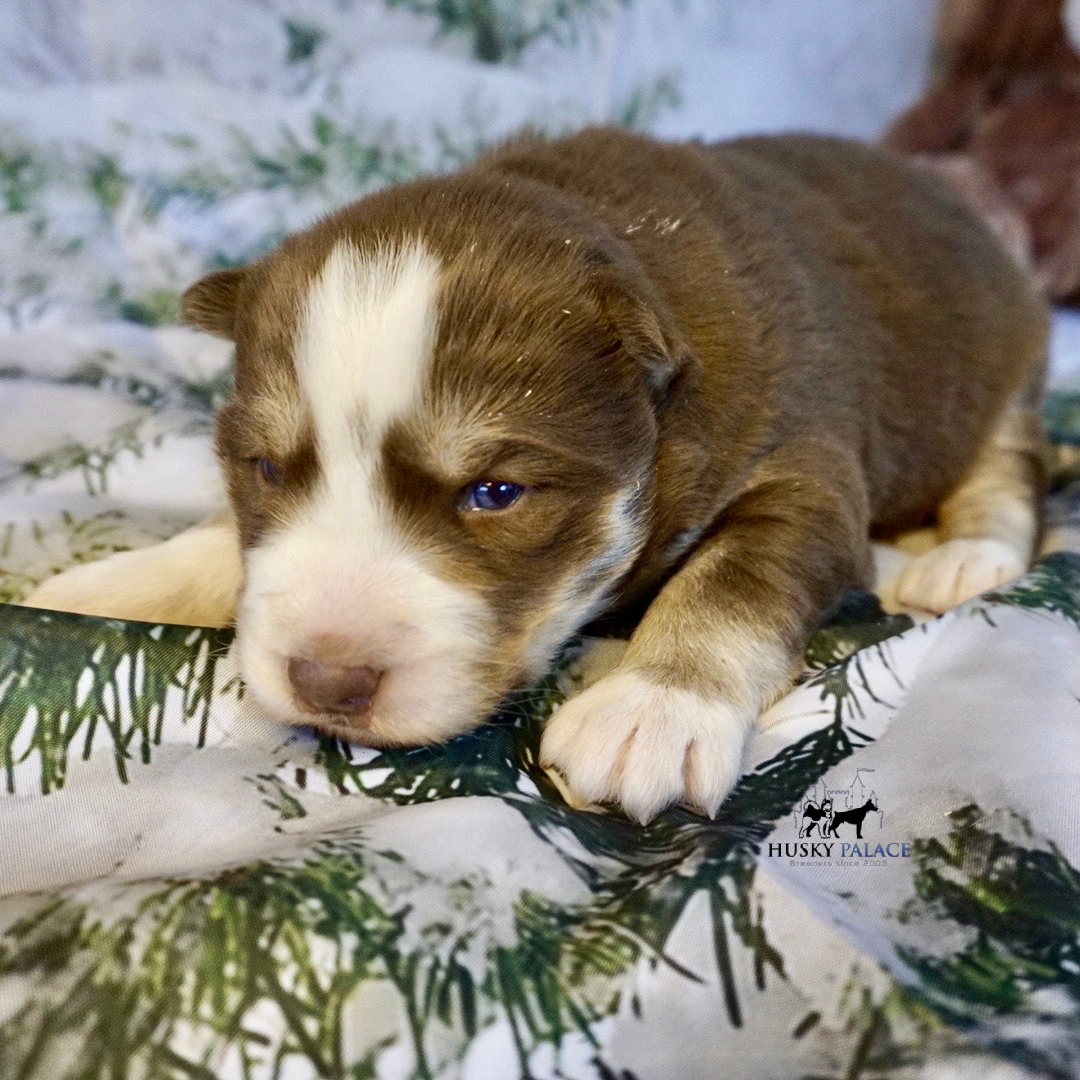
630	740
957	570
625	536
342	577
365	343
192	579
381	607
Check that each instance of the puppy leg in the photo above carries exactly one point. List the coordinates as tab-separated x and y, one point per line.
721	640
192	579
989	525
600	659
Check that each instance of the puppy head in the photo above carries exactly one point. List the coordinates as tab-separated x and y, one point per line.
439	451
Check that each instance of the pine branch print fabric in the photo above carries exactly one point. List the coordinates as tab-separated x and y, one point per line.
187	890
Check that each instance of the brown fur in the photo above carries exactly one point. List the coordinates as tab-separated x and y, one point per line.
820	338
777	345
828	335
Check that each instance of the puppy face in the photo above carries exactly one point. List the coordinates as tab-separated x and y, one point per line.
440	457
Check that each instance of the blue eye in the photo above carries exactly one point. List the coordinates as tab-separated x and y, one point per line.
269	470
492	495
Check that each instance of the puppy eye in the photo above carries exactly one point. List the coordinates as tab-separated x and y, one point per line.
491	495
269	470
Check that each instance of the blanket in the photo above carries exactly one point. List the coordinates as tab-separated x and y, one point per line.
188	890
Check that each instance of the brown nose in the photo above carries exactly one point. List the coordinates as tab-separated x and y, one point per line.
332	688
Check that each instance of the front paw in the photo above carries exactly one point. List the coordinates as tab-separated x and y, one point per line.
644	745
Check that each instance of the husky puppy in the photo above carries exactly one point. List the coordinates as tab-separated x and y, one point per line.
590	376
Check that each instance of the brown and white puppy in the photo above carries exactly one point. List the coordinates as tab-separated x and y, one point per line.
601	375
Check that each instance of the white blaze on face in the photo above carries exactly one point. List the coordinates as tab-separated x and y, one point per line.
341	583
364	344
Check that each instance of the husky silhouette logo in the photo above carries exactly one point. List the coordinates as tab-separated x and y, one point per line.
835	807
854	817
828	814
814	815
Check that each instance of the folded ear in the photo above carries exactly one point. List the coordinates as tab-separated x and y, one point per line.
648	333
210	304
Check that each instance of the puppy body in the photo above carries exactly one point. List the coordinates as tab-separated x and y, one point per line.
707	372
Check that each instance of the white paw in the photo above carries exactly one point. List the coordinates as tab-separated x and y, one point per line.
956	571
646	746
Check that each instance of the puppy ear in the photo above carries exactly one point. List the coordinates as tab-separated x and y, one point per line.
210	304
647	331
